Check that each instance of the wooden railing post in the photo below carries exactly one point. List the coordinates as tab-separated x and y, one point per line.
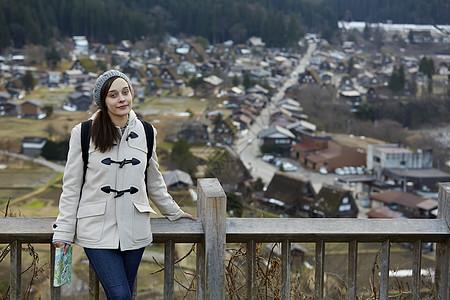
16	270
55	292
319	270
442	275
169	269
251	270
211	209
352	267
384	269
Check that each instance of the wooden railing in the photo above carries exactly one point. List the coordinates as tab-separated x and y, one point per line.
213	230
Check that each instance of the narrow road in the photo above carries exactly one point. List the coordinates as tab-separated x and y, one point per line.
40	160
247	146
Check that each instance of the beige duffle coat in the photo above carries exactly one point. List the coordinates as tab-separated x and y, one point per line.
113	209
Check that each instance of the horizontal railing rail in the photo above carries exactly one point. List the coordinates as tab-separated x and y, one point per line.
213	230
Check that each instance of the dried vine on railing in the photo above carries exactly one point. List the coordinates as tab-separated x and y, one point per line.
33	268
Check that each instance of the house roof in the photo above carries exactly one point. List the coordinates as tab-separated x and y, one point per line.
4	95
329	198
175	176
420	173
34	102
285	187
397	197
383	212
213	80
288	101
273	130
333	150
428	204
304	124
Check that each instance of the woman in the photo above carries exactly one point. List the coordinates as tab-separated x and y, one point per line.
109	214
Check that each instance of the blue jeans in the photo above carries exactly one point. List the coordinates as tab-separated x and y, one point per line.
116	270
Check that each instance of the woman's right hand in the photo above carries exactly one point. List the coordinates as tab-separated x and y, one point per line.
58	244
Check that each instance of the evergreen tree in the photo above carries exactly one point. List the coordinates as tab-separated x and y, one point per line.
247	82
426	66
397	80
52	57
411	37
366	32
183	157
401	77
350	65
28	81
235	81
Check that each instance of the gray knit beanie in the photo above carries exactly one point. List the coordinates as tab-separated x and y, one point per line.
101	81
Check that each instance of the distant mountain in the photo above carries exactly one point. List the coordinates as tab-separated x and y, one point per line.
279	22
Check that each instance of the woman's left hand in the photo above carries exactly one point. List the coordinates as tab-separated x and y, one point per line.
189	216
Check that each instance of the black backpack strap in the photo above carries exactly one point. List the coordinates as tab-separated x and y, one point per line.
85	138
150	136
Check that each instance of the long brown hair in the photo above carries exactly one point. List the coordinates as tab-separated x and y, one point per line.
103	132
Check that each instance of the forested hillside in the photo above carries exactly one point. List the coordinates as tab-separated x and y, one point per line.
278	22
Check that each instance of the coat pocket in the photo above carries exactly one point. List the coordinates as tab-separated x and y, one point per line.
141	221
90	221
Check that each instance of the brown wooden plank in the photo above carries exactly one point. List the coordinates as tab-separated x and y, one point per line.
319	270
335	230
285	269
251	270
352	266
15	270
214	224
38	230
442	275
169	271
416	269
384	269
55	292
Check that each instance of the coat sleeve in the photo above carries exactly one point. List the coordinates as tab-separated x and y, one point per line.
157	189
65	224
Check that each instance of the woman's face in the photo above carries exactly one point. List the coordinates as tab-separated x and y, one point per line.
118	100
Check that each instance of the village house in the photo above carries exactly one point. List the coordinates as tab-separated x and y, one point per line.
225	131
334	202
309	143
170	78
403	166
287	194
383	212
426	179
177	180
334	156
194	131
310	76
79	101
229	169
32	146
33	109
410	205
276	139
74	77
8	108
4	97
209	87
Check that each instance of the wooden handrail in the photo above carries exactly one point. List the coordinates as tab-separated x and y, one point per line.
213	230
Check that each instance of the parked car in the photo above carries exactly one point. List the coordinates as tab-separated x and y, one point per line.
268	158
277	162
339	171
323	170
288	167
